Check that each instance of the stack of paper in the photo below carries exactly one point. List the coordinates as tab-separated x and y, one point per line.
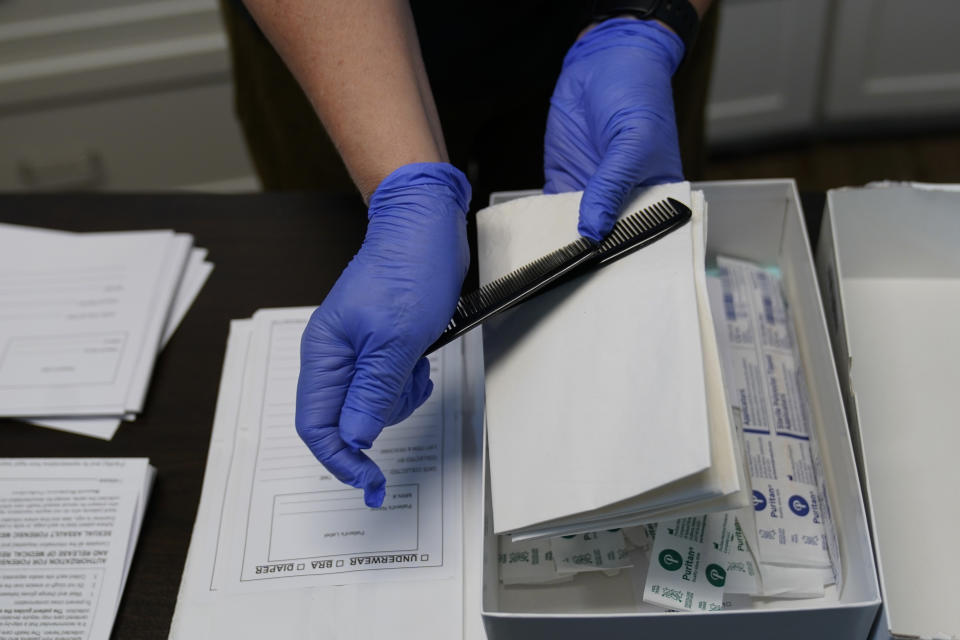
83	318
68	528
604	397
280	548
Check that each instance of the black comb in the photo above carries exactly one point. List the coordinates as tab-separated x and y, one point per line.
630	233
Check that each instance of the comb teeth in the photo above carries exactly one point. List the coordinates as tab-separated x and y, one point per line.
629	234
637	225
516	282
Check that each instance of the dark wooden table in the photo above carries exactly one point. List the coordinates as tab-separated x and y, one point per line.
270	250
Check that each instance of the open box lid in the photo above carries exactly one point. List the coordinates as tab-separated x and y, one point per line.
894	284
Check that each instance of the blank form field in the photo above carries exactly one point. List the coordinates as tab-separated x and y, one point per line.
333	523
61	360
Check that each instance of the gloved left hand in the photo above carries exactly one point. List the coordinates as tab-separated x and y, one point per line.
611	125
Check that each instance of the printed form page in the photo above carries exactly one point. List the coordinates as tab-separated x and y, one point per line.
297	525
66	532
423	606
195	275
76	316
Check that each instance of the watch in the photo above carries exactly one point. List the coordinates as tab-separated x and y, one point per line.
679	15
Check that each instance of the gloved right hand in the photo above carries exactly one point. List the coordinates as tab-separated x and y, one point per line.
611	125
361	364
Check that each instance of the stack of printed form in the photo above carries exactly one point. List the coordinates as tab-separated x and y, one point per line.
282	548
84	317
68	529
604	397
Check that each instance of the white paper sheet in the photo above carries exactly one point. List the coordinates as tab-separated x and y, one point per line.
195	275
197	271
726	472
201	561
79	321
300	525
472	466
431	608
578	418
101	428
67	531
161	304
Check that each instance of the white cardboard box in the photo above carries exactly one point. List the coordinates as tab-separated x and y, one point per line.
889	263
761	221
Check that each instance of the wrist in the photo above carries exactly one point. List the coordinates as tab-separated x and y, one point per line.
440	180
590	26
369	174
650	35
682	17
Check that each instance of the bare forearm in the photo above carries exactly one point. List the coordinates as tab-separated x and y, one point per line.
359	64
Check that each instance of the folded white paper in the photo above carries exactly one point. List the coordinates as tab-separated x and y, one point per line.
596	392
726	473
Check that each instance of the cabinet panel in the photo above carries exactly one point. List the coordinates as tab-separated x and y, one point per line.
892	60
116	94
103	46
767	68
33	10
155	141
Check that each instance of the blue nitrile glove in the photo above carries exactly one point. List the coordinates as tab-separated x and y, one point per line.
361	364
611	125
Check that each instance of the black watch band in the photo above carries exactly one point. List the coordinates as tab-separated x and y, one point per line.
679	15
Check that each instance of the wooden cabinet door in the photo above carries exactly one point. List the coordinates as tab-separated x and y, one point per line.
767	68
894	61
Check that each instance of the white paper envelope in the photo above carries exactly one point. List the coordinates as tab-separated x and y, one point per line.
595	390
